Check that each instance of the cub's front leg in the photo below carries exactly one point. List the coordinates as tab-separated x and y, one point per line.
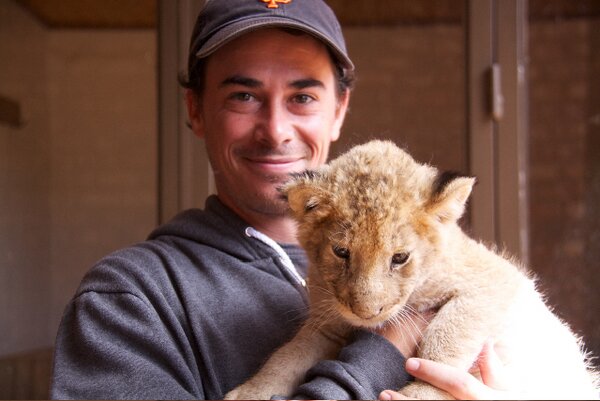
424	391
455	337
285	369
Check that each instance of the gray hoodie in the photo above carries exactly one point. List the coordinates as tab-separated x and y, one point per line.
194	311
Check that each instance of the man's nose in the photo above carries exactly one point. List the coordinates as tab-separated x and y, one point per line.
275	127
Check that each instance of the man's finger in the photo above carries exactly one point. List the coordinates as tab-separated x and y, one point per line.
458	383
393	395
493	372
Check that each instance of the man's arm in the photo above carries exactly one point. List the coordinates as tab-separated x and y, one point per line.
367	365
112	345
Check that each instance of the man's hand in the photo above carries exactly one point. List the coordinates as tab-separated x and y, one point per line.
461	384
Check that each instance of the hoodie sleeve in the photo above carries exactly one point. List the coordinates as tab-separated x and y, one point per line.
114	346
368	365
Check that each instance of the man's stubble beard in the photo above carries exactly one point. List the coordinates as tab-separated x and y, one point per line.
271	203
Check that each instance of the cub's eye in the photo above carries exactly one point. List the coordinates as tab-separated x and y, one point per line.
400	258
340	252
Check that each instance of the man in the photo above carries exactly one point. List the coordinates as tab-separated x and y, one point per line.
194	311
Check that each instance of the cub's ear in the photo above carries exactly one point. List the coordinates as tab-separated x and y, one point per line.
449	196
305	194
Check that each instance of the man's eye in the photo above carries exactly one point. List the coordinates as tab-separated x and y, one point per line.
242	97
303	99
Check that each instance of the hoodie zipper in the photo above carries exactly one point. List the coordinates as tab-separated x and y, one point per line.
283	256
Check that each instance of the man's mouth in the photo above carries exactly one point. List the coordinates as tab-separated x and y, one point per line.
276	164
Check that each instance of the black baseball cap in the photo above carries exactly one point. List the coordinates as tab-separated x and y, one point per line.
221	21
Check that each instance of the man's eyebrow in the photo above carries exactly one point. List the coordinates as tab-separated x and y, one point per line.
307	83
242	81
255	83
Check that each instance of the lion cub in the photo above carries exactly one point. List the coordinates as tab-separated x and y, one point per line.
381	234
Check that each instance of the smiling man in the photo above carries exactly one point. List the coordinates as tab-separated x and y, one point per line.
196	309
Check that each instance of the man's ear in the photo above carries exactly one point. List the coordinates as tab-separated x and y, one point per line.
194	110
306	198
449	196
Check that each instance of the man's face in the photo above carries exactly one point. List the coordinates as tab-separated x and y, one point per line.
269	108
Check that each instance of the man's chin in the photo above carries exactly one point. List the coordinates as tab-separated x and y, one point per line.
267	201
261	198
271	206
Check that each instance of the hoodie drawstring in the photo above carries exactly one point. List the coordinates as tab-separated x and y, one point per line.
283	256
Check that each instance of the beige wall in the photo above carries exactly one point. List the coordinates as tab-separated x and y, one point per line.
102	103
410	89
565	172
25	161
79	179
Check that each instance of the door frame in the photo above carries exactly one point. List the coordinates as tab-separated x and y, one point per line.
497	122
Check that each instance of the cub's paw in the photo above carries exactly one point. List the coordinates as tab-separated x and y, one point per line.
424	391
241	394
250	391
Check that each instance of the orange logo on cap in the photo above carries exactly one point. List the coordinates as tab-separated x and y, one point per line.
275	3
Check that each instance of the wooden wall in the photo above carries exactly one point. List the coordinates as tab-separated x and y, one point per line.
26	376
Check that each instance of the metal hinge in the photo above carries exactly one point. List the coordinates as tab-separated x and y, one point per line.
497	99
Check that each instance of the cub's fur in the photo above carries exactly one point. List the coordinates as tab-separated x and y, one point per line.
381	235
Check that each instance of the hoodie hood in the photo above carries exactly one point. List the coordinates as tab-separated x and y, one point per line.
218	228
215	226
